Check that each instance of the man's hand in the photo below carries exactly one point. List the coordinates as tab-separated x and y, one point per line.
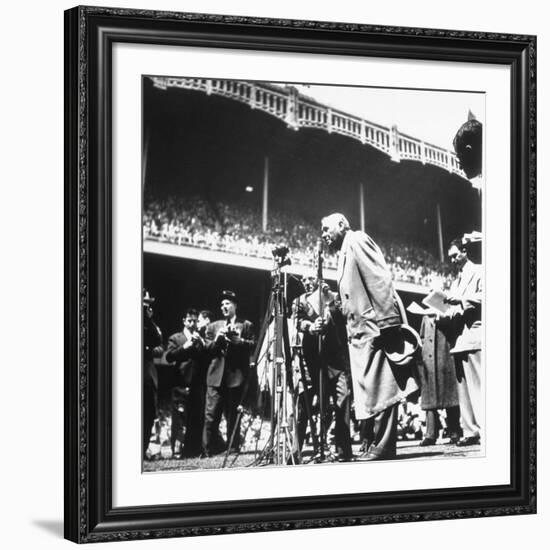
158	351
453	300
391	338
194	341
319	326
197	340
234	338
222	335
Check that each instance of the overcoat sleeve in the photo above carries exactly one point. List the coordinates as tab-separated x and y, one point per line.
474	293
247	337
377	280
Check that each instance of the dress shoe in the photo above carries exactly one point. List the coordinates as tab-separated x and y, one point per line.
190	454
427	442
211	452
344	457
467	441
377	454
365	446
454	438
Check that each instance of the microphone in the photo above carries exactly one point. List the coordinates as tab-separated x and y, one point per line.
319	259
320	246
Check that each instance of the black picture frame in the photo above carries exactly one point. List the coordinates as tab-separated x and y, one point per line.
90	33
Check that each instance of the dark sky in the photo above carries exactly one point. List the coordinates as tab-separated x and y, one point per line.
215	147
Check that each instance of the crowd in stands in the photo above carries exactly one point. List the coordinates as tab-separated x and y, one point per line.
237	228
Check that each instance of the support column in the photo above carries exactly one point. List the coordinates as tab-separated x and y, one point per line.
252	100
362	206
144	160
292	108
265	194
440	234
394	144
363	132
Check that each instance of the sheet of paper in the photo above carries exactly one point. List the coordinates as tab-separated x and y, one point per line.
436	300
417	309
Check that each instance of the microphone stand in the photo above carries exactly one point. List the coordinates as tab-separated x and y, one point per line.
322	381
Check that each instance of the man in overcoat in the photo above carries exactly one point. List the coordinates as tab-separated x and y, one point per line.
374	316
230	342
437	378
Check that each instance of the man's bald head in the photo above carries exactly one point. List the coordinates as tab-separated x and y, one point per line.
333	230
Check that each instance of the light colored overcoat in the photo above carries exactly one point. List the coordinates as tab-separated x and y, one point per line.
370	304
466	317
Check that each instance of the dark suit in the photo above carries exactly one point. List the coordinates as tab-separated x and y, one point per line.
152	347
226	375
192	363
334	358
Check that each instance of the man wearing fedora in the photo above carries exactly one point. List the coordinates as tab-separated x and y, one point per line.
381	344
230	342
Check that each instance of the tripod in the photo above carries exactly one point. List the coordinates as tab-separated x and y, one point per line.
282	446
274	352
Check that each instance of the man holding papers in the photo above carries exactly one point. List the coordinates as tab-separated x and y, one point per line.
464	314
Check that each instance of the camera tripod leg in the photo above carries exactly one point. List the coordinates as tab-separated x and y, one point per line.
307	405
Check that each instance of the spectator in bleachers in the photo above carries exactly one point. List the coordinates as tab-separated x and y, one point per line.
236	228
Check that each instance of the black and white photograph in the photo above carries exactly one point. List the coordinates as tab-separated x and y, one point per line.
312	274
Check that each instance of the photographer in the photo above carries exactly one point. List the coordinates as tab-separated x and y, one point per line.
229	342
186	350
152	348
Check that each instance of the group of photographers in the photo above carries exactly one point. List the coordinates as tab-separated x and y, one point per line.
212	361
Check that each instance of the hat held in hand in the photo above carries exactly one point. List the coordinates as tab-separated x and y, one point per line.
400	344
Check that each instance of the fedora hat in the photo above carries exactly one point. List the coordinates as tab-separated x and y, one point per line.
400	346
147	298
229	295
